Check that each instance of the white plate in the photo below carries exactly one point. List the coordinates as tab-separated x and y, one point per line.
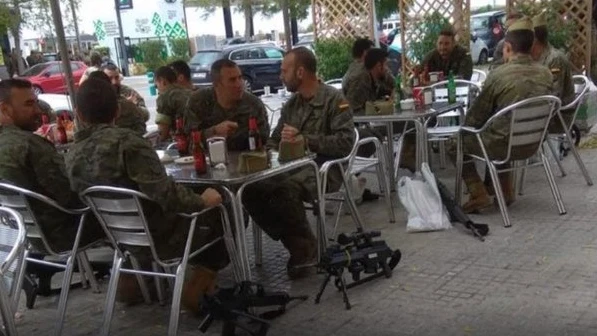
185	160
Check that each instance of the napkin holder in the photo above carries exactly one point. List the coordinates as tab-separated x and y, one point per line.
380	107
218	151
252	162
292	150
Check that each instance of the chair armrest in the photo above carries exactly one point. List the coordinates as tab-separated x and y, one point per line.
329	164
470	129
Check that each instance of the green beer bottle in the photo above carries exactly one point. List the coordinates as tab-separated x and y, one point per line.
451	88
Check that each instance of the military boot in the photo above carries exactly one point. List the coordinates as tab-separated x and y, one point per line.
507	187
128	290
198	282
478	196
303	254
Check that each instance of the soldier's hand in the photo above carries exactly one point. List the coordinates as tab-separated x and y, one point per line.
225	128
211	197
289	132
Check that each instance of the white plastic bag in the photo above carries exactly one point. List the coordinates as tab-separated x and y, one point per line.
420	196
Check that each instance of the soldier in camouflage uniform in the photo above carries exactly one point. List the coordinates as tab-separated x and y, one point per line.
183	74
518	79
130	116
561	69
322	116
224	109
32	162
171	103
357	67
449	56
498	53
124	91
106	155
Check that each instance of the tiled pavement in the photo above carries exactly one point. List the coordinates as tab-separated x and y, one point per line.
536	278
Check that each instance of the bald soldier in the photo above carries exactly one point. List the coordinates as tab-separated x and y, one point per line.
518	79
449	56
561	69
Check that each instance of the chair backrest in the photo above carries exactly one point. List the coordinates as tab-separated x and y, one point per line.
529	120
466	91
17	198
120	213
335	83
478	76
12	254
581	89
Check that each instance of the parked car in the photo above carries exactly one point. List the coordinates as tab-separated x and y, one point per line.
49	77
490	27
50	57
259	63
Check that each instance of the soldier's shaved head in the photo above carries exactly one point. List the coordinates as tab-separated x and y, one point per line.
97	102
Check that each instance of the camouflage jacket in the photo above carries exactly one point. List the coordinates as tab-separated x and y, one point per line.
361	88
561	70
31	162
356	68
460	62
131	117
112	156
171	104
325	121
126	92
204	113
512	82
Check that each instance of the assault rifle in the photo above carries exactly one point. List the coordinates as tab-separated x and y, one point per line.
458	215
357	253
233	304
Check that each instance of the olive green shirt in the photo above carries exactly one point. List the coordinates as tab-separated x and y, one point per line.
204	113
172	104
362	88
356	68
561	70
127	91
459	62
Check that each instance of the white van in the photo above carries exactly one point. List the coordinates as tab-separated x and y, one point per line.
388	25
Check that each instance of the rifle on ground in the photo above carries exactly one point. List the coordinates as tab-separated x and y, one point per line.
357	253
458	215
232	304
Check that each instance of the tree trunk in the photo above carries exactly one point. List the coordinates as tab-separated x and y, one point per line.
294	29
227	18
287	31
248	18
16	33
76	26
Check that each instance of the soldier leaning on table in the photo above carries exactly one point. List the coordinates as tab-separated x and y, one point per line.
561	70
103	154
171	103
322	116
449	56
30	161
224	109
518	79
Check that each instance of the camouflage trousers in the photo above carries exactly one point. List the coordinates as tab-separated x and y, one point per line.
170	233
276	204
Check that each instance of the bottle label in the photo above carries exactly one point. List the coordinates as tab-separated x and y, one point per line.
252	144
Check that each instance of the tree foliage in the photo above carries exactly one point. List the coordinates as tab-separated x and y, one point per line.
561	31
333	57
427	36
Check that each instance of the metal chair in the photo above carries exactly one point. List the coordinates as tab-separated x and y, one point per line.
478	76
120	212
343	165
529	120
17	199
13	254
581	88
335	83
445	128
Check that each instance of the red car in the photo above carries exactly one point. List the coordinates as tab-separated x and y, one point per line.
49	77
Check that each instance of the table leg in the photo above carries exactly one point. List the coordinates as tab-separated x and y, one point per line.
390	154
240	236
421	137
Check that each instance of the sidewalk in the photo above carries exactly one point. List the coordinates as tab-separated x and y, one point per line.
538	277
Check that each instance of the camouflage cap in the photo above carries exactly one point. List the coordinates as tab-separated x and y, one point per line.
521	24
539	20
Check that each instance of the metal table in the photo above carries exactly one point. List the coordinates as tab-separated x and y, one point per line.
273	104
233	182
417	116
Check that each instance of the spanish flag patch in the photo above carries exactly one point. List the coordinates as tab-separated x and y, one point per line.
343	105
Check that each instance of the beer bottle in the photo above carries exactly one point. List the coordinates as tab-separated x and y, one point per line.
198	153
255	143
62	138
182	143
451	88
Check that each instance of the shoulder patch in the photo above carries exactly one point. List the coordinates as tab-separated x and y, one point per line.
343	105
555	70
